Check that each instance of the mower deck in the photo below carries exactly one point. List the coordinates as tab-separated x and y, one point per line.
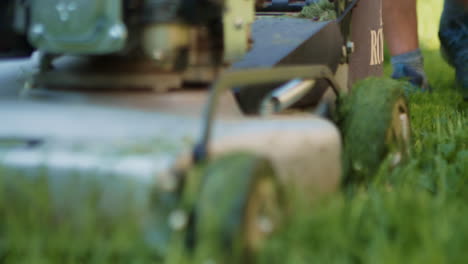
135	134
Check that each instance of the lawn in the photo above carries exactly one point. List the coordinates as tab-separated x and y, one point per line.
416	213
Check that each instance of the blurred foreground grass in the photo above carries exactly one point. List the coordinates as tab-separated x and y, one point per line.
412	214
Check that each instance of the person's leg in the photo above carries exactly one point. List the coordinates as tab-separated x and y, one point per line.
400	26
453	34
453	9
401	34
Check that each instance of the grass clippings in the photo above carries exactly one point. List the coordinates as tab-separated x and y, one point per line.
322	10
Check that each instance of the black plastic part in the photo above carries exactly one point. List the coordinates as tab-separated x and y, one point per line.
284	6
200	152
13	44
201	11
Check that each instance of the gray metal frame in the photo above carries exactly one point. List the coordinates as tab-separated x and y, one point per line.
251	78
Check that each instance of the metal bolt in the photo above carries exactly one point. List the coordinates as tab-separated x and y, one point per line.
239	23
350	47
37	31
118	32
64	10
265	225
158	55
178	220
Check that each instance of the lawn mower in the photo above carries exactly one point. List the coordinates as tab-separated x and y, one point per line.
115	88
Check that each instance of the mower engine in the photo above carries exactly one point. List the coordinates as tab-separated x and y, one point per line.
184	40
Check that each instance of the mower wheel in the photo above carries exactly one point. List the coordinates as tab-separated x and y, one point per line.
375	123
238	208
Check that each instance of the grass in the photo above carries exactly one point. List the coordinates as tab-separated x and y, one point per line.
322	10
87	224
415	213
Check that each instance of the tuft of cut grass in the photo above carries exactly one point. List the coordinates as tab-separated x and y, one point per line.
323	10
367	114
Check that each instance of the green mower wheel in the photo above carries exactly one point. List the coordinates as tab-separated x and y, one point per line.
238	208
376	123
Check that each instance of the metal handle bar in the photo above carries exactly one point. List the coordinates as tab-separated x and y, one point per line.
248	78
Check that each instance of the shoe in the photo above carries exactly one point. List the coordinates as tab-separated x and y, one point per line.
417	78
453	37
